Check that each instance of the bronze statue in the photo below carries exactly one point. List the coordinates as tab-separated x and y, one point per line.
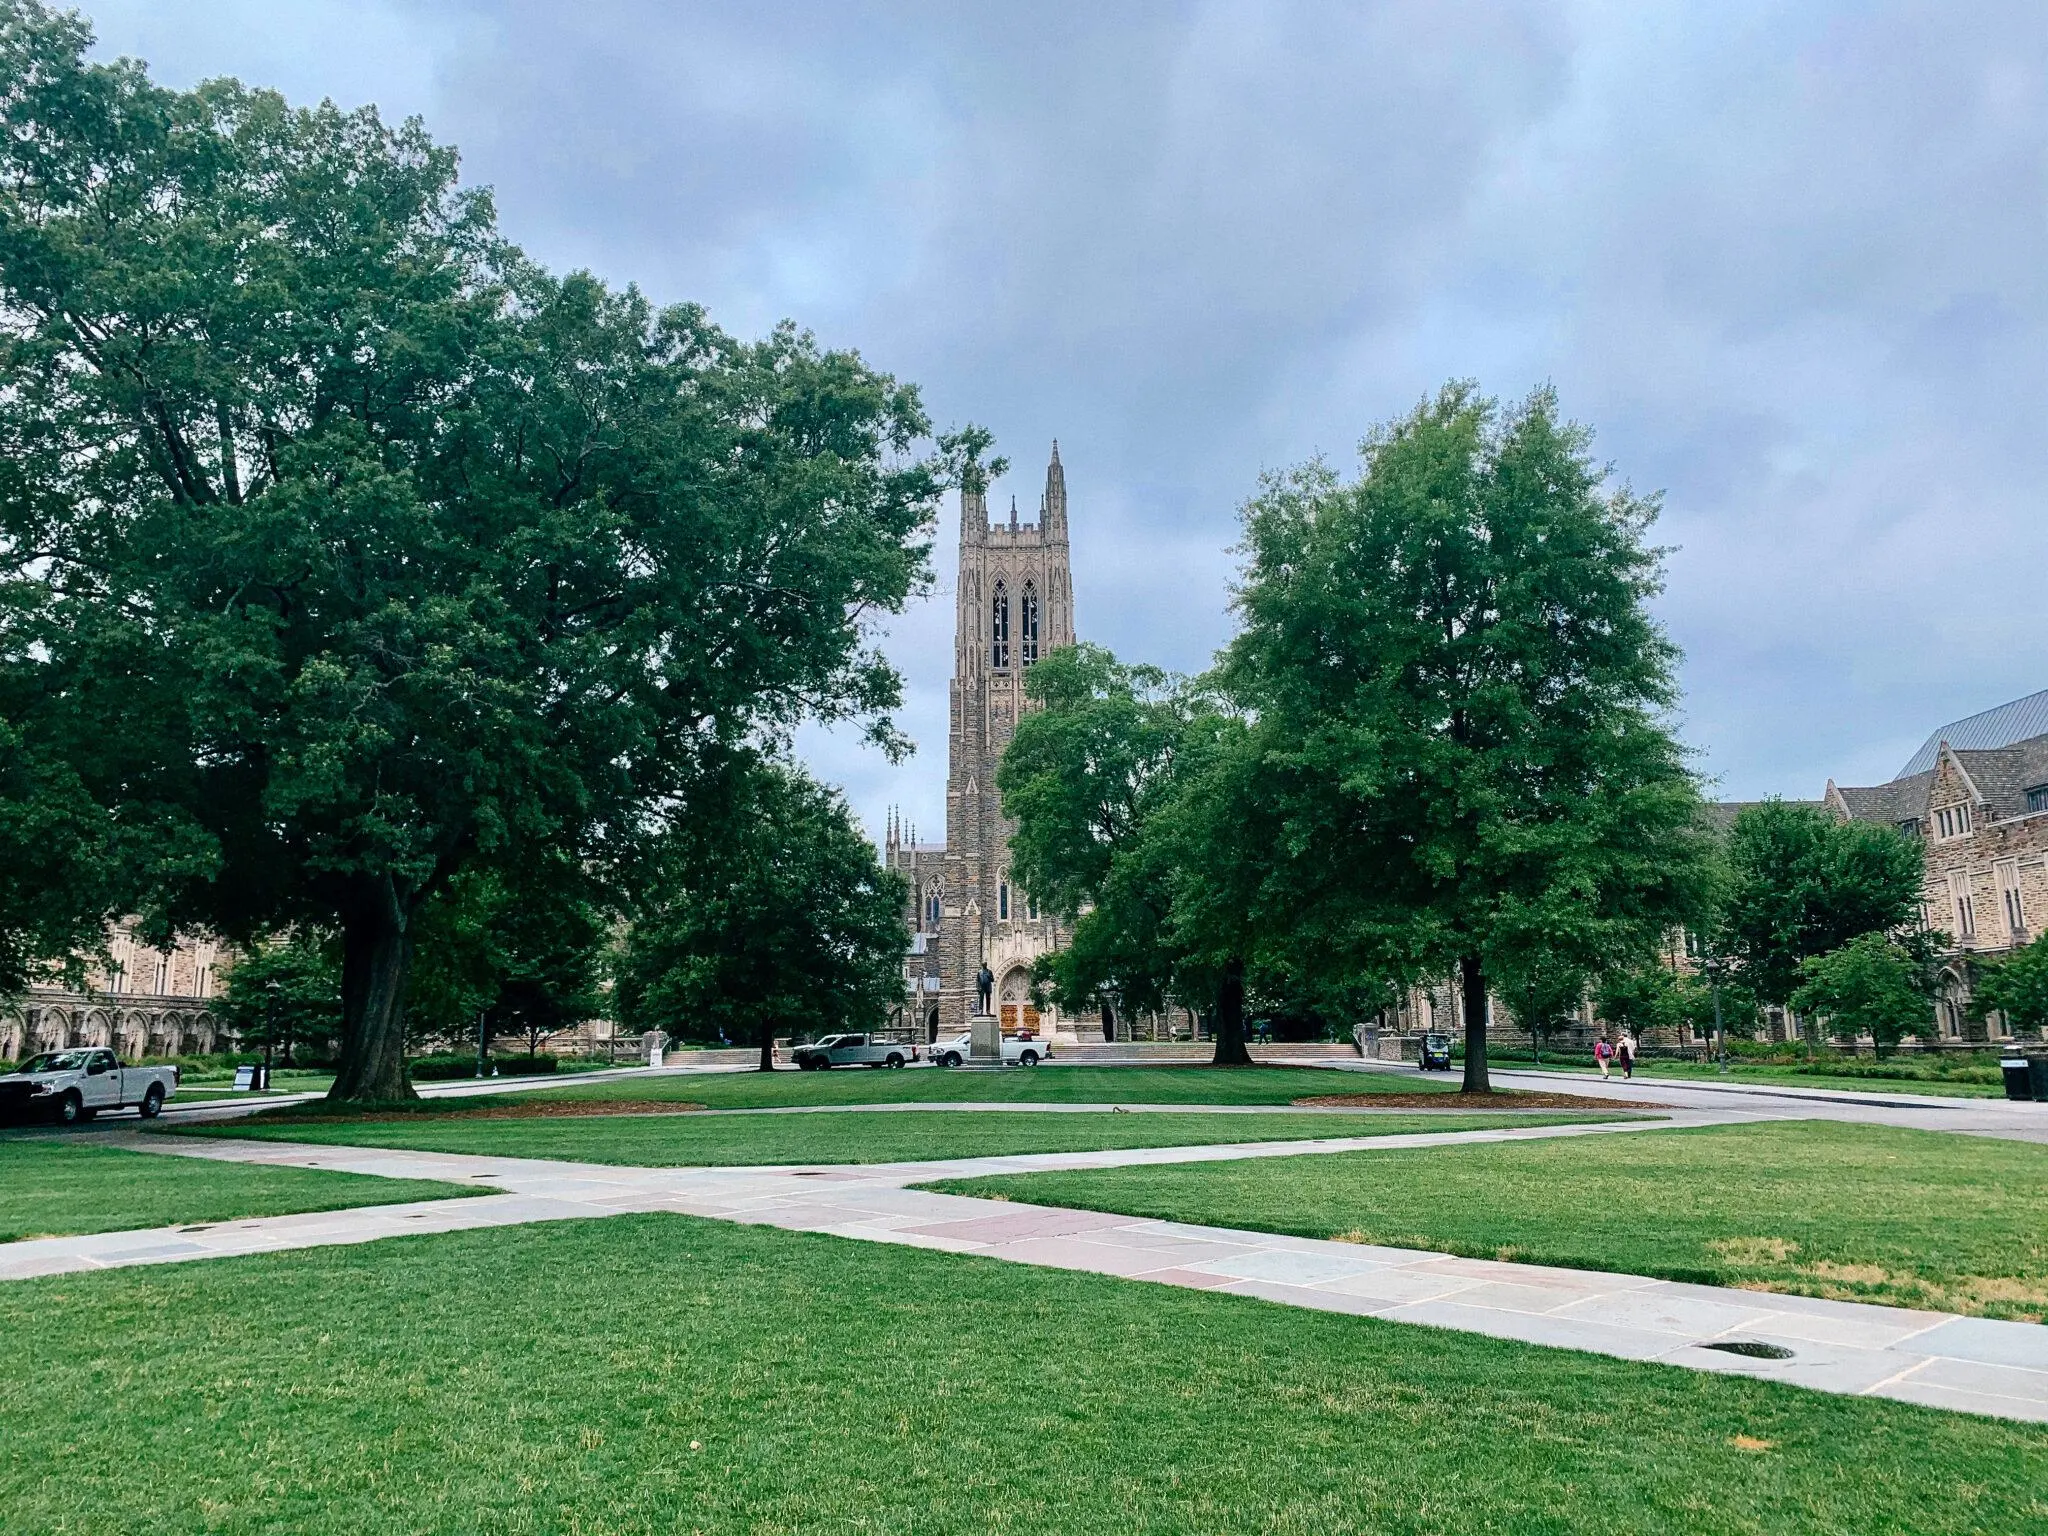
985	987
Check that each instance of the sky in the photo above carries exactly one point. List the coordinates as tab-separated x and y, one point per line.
1789	261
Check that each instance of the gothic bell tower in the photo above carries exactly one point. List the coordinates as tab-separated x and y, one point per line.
1014	604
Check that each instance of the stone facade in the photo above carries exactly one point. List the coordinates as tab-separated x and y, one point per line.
1014	603
141	1002
1983	813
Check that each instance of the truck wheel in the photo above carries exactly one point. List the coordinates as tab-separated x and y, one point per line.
950	1059
1028	1059
895	1060
153	1102
71	1109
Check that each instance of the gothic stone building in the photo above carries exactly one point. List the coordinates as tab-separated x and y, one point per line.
143	1002
1977	792
1014	603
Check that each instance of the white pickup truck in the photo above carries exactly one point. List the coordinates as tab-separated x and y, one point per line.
1018	1051
77	1084
851	1051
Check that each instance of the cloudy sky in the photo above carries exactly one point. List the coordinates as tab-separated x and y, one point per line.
1789	260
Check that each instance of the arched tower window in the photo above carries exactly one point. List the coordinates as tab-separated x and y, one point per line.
1027	623
932	907
999	628
1003	900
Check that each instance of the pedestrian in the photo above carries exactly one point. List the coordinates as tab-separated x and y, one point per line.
1603	1053
1625	1053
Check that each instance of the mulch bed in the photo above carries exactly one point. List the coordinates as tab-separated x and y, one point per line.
1467	1101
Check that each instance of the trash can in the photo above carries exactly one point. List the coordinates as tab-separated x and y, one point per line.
2025	1079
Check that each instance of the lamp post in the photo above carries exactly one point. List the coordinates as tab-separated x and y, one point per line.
483	1043
269	1026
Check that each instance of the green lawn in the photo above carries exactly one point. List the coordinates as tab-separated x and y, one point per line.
58	1188
662	1374
1875	1079
1019	1085
880	1137
1867	1213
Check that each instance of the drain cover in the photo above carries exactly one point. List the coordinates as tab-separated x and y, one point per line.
1751	1348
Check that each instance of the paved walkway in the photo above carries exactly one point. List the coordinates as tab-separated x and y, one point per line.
1972	1364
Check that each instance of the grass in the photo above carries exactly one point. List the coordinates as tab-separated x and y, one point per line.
686	1140
1864	1213
663	1374
62	1188
1019	1085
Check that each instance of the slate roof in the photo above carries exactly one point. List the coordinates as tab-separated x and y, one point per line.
2008	724
1904	799
2004	776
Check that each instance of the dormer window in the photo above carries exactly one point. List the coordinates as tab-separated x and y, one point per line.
1952	821
2037	798
1910	826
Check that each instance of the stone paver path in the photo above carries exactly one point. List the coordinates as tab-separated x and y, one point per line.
1973	1364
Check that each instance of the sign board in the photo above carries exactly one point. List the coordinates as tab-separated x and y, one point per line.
245	1079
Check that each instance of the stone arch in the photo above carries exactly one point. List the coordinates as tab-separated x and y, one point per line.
97	1028
931	1025
205	1034
14	1035
132	1035
1951	1004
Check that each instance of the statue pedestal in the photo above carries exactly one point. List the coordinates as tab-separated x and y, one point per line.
985	1040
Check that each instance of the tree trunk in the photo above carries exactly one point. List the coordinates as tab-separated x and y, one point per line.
1472	980
1108	1023
376	956
768	1047
1230	1051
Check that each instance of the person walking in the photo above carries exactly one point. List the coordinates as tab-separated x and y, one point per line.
1625	1053
1603	1053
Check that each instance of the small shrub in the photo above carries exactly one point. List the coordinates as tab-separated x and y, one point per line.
442	1067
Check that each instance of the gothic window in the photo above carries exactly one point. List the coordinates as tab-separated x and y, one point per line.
999	628
1027	623
163	974
931	908
1003	900
2009	896
1031	906
1965	909
1953	820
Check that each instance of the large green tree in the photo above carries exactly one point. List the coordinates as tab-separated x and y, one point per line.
1800	883
768	911
285	994
361	550
1462	699
2015	985
1870	986
1135	813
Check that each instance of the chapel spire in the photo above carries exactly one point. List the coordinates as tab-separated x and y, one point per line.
1055	518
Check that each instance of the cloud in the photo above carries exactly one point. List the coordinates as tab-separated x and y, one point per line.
1788	259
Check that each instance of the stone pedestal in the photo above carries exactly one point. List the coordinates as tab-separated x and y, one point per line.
653	1041
985	1040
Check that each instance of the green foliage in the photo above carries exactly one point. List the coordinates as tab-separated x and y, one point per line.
2015	985
354	550
1870	986
1800	883
1653	996
1135	823
1461	704
767	912
286	993
527	948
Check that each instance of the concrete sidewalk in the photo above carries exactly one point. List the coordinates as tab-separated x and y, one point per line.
1970	1364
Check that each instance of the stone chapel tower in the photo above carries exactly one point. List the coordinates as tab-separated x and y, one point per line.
1015	602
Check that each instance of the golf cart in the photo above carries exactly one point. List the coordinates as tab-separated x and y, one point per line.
1436	1053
